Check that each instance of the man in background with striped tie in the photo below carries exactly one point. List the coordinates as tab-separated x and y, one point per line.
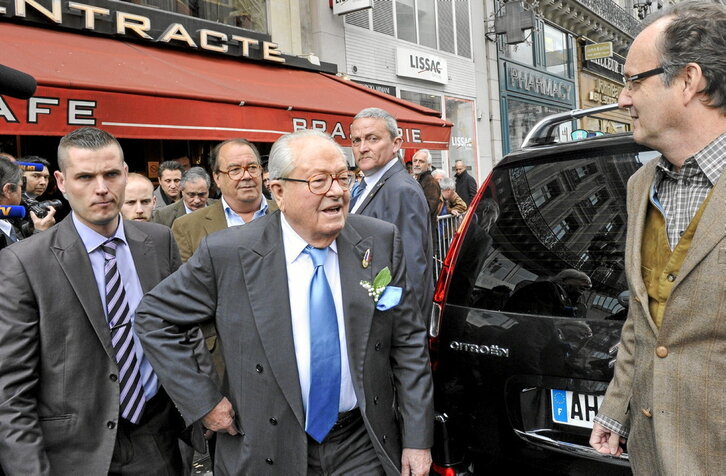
77	394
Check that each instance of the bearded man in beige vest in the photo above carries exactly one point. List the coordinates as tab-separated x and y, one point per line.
667	396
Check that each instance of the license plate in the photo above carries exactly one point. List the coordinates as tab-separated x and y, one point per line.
573	408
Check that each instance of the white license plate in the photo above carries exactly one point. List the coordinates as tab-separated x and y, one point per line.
576	409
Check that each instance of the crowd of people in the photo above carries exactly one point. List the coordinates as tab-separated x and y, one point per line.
334	375
293	338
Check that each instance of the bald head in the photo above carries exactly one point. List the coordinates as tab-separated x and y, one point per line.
139	198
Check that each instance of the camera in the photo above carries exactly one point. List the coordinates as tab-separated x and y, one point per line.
40	208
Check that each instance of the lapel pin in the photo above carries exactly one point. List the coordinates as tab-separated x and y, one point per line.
366	259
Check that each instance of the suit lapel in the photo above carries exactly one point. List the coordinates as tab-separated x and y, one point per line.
215	219
265	270
395	168
710	229
142	251
358	307
74	262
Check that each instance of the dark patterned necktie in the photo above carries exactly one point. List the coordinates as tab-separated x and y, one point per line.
324	395
132	397
356	193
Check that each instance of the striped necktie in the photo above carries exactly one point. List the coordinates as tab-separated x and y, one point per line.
132	397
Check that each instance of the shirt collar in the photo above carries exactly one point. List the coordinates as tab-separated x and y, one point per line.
5	227
229	213
293	243
373	178
709	161
92	239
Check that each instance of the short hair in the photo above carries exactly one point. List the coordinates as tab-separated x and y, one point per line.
89	138
377	113
282	161
214	155
427	153
447	183
194	174
34	159
695	34
172	165
459	160
10	172
7	156
137	176
439	173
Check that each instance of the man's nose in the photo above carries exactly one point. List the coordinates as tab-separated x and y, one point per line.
624	99
101	185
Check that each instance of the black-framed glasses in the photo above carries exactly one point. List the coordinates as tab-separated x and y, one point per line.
629	80
319	184
237	172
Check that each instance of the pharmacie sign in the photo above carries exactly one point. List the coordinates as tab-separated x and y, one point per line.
420	65
139	23
539	84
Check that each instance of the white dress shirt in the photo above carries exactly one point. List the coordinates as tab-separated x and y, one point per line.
299	274
371	181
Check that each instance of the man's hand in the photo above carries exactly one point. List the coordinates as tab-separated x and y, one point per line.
221	418
42	224
605	441
415	462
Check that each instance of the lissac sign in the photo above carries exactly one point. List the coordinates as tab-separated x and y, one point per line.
145	24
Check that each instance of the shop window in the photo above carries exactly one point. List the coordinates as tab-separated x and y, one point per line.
461	113
557	55
522	116
430	101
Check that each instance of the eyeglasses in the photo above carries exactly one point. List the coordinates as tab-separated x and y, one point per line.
236	173
320	184
629	80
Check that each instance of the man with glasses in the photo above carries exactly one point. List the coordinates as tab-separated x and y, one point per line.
325	375
194	187
237	172
667	393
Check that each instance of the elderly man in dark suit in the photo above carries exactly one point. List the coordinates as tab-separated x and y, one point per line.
389	193
667	393
77	394
327	367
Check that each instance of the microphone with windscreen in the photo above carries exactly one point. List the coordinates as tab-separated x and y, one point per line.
16	84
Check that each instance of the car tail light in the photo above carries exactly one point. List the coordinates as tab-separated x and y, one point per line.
442	285
443	471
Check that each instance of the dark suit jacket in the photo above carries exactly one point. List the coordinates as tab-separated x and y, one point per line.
166	215
685	390
229	280
465	187
397	198
59	396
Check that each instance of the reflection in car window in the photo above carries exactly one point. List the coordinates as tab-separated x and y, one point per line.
548	239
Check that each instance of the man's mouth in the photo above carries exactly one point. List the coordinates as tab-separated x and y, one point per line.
333	210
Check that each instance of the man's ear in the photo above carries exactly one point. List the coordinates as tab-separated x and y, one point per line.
278	192
7	188
695	82
60	180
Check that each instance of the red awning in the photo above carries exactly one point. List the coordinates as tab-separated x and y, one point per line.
136	91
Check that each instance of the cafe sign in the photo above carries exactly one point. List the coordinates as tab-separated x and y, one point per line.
139	23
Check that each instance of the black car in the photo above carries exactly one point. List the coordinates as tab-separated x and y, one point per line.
529	307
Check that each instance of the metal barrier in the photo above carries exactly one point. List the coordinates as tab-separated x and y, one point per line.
446	227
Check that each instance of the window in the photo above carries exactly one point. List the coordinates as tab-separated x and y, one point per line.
545	194
405	20
522	116
247	14
437	24
556	51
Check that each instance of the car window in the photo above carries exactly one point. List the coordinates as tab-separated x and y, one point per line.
548	237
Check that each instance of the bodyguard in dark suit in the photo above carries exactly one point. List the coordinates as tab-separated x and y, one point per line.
323	374
465	183
77	394
392	195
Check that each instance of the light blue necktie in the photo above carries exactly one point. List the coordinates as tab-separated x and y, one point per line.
324	395
356	193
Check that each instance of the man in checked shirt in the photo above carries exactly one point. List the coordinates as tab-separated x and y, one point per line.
667	396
